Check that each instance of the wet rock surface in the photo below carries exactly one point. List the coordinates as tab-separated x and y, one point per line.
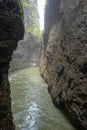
64	57
11	30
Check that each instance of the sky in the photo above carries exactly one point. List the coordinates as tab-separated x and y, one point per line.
41	6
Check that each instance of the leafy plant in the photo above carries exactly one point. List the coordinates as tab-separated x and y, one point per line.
31	18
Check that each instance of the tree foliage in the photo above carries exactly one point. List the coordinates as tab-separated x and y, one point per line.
31	18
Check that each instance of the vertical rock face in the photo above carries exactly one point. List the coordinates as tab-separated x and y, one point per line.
27	54
28	50
64	57
11	30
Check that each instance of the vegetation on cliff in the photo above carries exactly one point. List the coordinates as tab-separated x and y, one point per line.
29	49
31	18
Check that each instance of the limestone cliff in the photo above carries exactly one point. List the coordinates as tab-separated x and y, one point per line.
64	57
27	53
11	30
28	50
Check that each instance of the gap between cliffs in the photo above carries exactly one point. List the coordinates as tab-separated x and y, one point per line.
64	56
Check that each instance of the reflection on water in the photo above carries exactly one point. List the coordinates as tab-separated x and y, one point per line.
32	105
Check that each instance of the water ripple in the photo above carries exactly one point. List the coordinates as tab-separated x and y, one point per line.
32	105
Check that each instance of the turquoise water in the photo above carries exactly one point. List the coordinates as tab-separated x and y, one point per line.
31	104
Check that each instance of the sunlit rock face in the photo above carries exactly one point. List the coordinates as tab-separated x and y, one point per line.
64	57
11	30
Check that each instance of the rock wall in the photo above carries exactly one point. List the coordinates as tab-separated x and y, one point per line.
64	57
27	54
11	30
28	51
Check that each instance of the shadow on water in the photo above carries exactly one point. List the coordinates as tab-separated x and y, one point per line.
31	104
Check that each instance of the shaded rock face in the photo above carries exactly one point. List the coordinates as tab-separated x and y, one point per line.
64	57
27	54
11	30
29	49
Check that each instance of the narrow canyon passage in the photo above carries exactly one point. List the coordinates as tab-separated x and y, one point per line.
32	105
51	34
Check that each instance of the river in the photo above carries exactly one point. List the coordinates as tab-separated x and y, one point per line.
31	104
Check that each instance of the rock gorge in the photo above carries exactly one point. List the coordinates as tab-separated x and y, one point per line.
64	57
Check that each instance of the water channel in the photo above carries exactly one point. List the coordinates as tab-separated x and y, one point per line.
31	104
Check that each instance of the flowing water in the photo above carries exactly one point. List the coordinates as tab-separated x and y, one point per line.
31	104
